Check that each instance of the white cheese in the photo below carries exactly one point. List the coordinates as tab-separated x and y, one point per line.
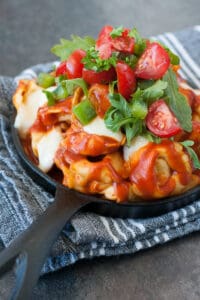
47	147
27	111
98	127
137	143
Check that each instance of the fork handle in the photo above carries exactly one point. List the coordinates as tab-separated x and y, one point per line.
28	252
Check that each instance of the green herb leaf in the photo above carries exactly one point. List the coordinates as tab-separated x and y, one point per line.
66	47
187	144
92	61
140	43
177	101
117	32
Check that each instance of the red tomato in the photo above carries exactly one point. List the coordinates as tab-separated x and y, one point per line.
153	63
126	81
74	65
103	43
161	121
61	69
123	43
103	77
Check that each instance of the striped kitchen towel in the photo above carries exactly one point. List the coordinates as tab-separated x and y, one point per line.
88	235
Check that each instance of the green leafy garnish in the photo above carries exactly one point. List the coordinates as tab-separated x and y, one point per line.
153	92
188	144
177	101
121	116
129	116
140	43
116	32
174	59
92	61
66	47
71	84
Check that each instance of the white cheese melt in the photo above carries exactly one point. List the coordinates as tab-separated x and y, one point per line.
27	111
137	143
98	127
47	147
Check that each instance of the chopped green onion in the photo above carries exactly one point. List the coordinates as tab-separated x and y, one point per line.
45	80
50	98
60	92
84	111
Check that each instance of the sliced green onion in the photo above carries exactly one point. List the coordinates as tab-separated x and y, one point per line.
84	111
45	80
50	98
60	92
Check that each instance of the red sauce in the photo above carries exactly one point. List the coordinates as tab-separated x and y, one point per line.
143	170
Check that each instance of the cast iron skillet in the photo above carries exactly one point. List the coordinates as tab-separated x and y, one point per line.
28	252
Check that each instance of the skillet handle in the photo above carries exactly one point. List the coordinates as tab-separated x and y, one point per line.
28	252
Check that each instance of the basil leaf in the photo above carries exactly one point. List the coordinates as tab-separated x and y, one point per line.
66	47
177	101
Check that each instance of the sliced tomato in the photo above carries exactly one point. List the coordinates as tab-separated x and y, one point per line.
61	69
74	65
103	42
153	63
106	44
161	121
123	43
103	77
126	81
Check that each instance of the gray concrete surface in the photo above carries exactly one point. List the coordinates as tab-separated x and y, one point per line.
27	31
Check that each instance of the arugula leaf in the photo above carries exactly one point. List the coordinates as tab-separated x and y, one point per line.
187	144
153	92
140	43
92	61
117	32
121	116
177	101
66	47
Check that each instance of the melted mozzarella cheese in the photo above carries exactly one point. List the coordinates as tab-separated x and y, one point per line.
27	111
98	127
47	147
137	143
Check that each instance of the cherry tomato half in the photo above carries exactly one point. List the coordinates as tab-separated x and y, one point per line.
123	43
61	69
74	65
106	44
103	42
103	77
153	63
161	121
126	81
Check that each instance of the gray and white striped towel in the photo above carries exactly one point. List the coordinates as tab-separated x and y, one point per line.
88	235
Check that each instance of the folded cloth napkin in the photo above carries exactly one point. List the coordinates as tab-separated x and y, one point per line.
88	235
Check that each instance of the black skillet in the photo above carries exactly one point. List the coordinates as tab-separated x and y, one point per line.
28	252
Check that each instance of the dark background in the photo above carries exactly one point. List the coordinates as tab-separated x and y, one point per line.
28	29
